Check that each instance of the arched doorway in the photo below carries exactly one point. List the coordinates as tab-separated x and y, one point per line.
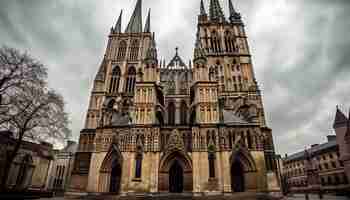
237	177
111	171
115	179
176	178
175	173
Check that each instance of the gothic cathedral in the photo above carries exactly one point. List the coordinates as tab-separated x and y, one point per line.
155	127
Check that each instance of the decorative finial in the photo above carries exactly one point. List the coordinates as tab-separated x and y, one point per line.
177	50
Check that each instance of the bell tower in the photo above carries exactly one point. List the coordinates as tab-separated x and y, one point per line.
226	47
130	57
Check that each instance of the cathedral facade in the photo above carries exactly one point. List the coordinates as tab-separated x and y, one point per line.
155	127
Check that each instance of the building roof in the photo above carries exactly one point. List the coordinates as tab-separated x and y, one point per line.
340	119
42	149
177	62
313	150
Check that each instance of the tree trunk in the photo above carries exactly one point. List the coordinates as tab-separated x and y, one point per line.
9	160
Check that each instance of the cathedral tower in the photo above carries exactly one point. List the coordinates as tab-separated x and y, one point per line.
154	127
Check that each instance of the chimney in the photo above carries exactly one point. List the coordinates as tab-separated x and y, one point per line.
331	138
285	155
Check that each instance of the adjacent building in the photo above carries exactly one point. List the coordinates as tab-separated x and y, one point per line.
153	126
62	167
323	161
30	168
342	129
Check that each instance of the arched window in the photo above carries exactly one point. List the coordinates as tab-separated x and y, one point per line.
232	139
134	50
183	113
211	159
211	74
233	44
171	113
121	50
215	42
114	85
138	165
228	42
131	80
249	140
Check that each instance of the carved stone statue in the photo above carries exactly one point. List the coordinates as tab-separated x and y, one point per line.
175	142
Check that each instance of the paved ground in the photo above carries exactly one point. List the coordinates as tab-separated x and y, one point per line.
315	197
295	197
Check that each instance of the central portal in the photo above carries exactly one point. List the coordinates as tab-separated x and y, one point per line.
237	177
176	178
115	178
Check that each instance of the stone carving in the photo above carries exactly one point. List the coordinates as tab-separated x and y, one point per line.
243	108
113	113
175	142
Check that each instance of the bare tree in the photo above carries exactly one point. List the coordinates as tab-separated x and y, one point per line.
17	70
32	111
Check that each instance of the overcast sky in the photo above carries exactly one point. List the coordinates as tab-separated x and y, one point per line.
300	48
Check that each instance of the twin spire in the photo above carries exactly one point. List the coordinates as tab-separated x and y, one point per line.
216	13
135	23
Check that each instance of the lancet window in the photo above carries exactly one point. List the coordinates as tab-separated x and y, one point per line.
115	79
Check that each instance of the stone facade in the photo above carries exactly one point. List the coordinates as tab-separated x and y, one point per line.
62	167
30	168
318	168
155	127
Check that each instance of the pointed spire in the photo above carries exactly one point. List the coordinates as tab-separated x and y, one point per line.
118	25
233	14
340	119
101	74
203	12
148	23
232	9
151	54
215	11
135	23
199	52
